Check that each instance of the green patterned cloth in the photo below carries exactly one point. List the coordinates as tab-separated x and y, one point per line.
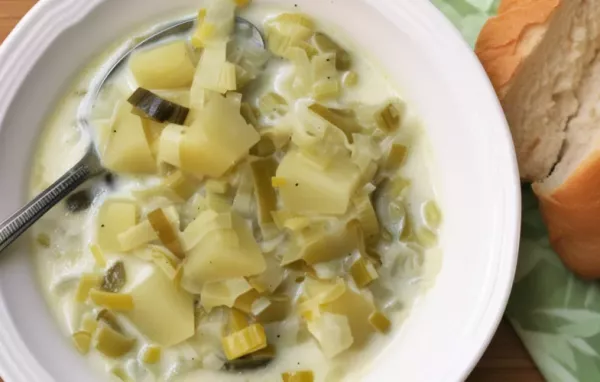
556	315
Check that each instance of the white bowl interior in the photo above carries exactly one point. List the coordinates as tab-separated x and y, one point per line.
446	332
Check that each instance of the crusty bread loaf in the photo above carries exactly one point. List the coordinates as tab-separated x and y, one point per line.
535	51
542	57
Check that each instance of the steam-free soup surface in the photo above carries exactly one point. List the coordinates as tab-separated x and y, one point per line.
274	220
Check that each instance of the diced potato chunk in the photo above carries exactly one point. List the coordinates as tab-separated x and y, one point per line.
245	301
223	293
169	146
137	236
217	140
223	254
114	218
162	312
333	333
358	309
128	149
324	245
310	189
166	67
214	72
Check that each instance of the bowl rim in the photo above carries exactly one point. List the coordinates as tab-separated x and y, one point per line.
17	59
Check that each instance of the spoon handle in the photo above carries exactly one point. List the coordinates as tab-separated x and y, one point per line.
18	223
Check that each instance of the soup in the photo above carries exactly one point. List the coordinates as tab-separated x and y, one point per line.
266	214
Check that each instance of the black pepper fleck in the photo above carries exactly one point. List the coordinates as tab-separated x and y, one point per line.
297	184
102	226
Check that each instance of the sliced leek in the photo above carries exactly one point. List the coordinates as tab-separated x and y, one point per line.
151	354
87	282
112	301
98	255
298	376
245	341
112	343
380	322
363	272
432	214
165	231
263	170
82	341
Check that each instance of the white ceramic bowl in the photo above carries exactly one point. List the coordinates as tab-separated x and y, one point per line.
438	75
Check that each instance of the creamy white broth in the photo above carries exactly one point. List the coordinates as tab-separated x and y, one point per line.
68	256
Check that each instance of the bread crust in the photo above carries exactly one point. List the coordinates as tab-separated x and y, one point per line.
498	42
571	211
572	215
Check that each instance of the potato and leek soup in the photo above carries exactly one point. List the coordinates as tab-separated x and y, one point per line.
268	213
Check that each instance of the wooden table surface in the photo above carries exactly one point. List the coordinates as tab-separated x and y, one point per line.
505	360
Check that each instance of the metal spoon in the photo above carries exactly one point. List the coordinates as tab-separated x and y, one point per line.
90	165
